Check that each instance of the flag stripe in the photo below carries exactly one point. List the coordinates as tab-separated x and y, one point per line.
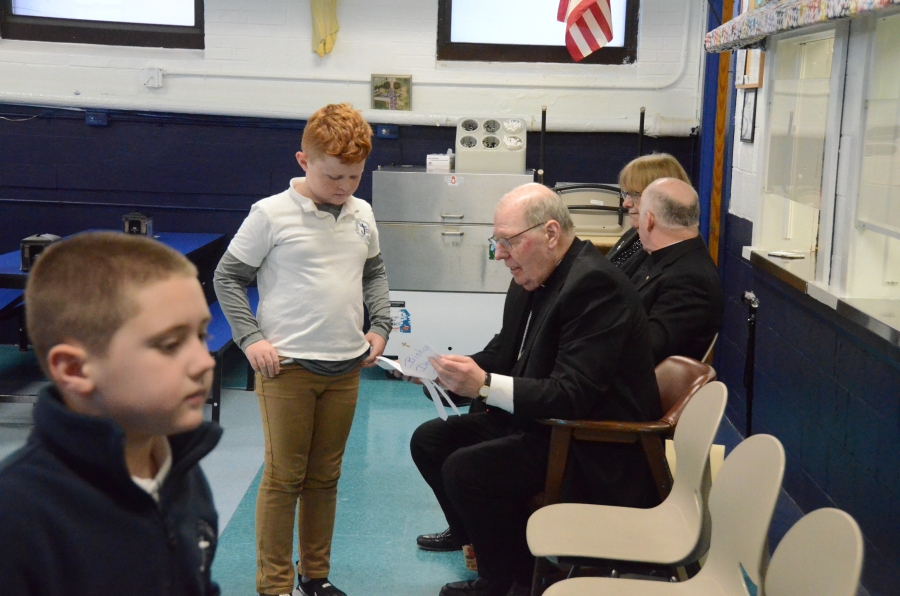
597	32
580	42
588	26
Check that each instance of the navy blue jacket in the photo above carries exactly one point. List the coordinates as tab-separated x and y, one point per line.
73	522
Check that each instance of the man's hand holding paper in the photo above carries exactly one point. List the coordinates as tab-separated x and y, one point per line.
416	365
459	374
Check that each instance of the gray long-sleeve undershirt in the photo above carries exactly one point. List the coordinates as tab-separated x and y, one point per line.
232	277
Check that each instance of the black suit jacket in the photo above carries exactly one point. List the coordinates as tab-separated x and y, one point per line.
586	356
683	298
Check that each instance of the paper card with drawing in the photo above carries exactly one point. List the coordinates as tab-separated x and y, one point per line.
414	363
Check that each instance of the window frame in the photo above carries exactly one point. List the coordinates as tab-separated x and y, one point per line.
765	222
861	130
31	28
489	52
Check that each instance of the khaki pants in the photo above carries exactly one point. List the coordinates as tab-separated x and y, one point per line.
306	419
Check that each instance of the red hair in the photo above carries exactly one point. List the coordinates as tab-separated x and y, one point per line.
338	130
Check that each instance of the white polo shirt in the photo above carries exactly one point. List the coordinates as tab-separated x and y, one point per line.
310	273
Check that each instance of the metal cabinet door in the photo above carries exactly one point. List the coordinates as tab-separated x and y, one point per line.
439	258
414	195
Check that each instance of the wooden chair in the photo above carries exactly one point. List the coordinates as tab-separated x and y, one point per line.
679	378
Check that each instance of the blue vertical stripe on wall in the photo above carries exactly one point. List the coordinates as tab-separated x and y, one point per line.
708	127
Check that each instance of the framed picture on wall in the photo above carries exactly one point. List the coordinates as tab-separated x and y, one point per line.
748	72
391	92
748	116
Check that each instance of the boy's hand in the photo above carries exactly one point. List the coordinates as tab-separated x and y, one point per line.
377	342
263	358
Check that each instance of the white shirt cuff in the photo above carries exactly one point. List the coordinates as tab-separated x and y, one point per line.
501	393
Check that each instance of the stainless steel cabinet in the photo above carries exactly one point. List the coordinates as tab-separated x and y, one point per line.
440	258
434	228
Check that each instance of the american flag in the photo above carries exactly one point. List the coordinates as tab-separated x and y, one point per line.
588	25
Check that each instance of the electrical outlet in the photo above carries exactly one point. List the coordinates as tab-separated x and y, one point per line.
386	131
152	78
95	118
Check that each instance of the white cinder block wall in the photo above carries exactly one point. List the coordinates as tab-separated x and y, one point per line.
258	61
747	160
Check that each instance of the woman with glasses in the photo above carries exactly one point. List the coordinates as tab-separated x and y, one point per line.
626	254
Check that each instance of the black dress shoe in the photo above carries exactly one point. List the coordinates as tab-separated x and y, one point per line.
442	542
476	587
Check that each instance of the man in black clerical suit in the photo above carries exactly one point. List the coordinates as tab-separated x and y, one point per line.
574	344
677	279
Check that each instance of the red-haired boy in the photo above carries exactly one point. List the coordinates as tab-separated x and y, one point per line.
314	251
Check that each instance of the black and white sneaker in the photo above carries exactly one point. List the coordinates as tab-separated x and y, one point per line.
317	587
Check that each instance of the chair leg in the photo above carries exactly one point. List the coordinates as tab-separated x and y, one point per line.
23	332
560	438
655	451
215	397
539	579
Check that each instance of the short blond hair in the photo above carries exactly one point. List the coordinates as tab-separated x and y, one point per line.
640	172
80	289
340	131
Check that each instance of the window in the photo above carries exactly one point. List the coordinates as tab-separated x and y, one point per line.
525	31
879	197
162	23
835	92
874	267
802	127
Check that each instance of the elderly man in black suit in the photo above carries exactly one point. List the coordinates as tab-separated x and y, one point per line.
575	345
677	279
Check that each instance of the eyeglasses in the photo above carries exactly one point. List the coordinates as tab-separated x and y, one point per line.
635	196
506	243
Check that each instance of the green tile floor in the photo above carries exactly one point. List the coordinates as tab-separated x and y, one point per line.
383	504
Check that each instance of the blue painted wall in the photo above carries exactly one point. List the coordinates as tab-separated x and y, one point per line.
830	391
202	173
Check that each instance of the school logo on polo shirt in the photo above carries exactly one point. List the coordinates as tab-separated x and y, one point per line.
363	229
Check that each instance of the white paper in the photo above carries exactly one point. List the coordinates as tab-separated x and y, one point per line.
415	364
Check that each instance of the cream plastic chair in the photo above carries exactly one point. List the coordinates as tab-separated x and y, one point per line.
821	555
716	457
675	533
741	503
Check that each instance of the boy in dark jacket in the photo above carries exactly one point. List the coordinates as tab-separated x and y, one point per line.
106	497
